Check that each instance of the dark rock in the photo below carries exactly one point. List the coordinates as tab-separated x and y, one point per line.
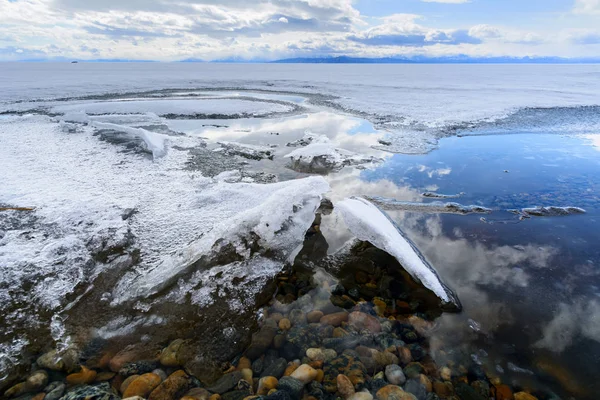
290	351
226	383
481	387
55	391
270	357
415	387
410	336
466	392
261	341
338	290
413	370
236	395
432	396
342	301
279	395
276	369
476	373
102	391
354	293
315	389
347	342
174	387
292	386
297	317
376	384
139	368
346	365
258	366
417	352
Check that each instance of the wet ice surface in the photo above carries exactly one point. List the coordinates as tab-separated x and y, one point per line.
528	287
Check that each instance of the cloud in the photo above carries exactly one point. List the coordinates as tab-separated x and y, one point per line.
489	32
589	7
582	36
402	30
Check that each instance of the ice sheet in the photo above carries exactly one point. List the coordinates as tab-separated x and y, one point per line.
368	223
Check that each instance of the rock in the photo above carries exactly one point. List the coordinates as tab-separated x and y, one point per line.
279	395
138	368
297	317
290	369
339	333
197	394
55	392
257	366
314	316
84	376
279	341
305	374
445	373
361	321
266	384
413	370
394	375
132	353
101	391
261	341
173	387
376	384
405	355
133	398
215	397
37	381
247	375
347	365
443	389
321	354
244	363
236	395
169	357
392	392
276	368
104	376
502	392
345	386
16	390
285	324
335	319
226	383
524	396
51	361
361	396
123	387
415	387
466	392
292	386
385	358
426	382
143	385
482	388
161	373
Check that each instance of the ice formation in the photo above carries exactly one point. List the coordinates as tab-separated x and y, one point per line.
322	156
433	207
249	151
155	142
434	195
370	224
552	211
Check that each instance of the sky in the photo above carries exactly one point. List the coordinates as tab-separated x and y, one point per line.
170	30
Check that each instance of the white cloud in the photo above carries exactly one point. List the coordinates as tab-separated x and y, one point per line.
587	7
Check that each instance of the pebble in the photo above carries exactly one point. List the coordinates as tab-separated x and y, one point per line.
133	398
297	317
335	319
426	382
51	361
292	386
105	376
321	354
443	389
305	374
503	392
85	376
392	392
197	394
169	355
279	341
266	384
361	396
16	390
101	391
261	341
237	395
394	375
339	333
226	383
361	321
404	355
445	373
413	370
247	375
36	381
415	387
345	386
174	387
385	358
314	316
277	368
130	354
55	391
290	369
524	396
243	363
143	385
285	324
482	388
127	382
279	395
161	373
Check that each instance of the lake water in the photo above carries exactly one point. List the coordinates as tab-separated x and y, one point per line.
504	138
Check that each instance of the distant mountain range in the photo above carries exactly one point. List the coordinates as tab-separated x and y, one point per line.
439	60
